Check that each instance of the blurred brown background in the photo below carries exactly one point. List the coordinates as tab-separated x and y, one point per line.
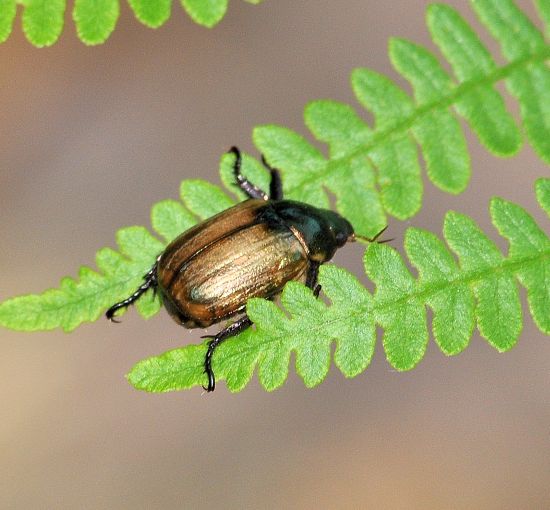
91	137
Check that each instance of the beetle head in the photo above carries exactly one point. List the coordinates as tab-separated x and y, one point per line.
340	228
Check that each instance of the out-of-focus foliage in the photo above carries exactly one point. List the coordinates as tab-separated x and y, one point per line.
95	20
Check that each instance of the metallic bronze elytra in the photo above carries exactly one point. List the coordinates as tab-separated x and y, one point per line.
215	281
252	249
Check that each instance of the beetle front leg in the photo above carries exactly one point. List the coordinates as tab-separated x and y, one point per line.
231	330
312	276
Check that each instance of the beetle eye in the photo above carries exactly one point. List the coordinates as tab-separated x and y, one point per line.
341	238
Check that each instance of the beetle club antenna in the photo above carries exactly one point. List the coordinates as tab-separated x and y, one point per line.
375	238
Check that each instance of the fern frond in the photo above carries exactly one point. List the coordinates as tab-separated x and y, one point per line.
95	20
478	288
78	301
379	167
119	272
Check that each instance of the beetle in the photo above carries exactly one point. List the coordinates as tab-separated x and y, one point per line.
207	274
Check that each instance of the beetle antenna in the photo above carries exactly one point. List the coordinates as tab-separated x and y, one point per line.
375	238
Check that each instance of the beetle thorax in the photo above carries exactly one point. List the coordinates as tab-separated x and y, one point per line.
321	231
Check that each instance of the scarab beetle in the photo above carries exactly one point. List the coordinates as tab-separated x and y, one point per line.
250	250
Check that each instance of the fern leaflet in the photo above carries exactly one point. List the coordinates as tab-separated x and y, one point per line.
95	20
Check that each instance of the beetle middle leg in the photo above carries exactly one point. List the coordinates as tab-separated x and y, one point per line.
231	330
312	276
150	283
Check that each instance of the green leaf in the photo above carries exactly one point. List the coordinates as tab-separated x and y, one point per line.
452	305
338	125
498	308
76	301
169	218
286	149
527	240
529	77
354	184
172	370
152	13
43	21
204	199
543	6
483	107
396	158
480	288
379	165
356	197
8	9
405	333
510	26
450	170
299	161
119	274
95	19
543	194
355	352
205	12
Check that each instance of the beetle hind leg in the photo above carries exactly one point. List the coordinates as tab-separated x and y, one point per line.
275	185
231	330
150	282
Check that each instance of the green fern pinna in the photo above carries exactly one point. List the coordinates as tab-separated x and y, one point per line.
95	20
